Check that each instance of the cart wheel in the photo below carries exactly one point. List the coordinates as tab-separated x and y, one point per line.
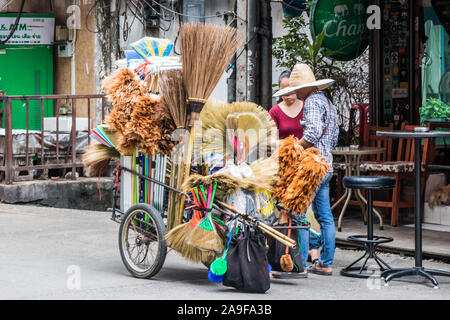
141	241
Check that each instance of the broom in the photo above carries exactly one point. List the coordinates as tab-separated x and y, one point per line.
96	155
205	235
173	96
176	237
206	50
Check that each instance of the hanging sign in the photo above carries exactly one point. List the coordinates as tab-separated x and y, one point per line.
32	29
344	23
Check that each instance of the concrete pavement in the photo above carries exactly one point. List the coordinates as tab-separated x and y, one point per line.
49	253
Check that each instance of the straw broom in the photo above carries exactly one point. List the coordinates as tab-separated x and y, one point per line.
206	50
205	235
97	156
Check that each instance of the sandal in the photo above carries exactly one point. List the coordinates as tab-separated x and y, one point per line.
289	275
313	269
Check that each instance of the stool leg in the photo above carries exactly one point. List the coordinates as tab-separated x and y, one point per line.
369	215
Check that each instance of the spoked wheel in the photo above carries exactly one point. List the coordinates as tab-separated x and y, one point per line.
141	241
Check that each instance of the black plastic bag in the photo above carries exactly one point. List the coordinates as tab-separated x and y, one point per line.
277	249
247	265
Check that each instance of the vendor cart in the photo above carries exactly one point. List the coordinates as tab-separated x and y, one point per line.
142	229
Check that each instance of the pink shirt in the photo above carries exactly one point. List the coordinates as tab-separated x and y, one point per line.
286	125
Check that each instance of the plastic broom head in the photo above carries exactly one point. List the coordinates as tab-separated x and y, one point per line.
219	267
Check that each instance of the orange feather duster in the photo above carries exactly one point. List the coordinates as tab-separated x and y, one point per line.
301	172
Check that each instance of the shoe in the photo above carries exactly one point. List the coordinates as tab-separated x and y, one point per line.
315	270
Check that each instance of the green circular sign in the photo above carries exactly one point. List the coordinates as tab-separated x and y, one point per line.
345	26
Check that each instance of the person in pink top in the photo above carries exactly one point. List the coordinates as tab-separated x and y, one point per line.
289	112
288	115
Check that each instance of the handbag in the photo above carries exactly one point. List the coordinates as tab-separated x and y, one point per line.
247	265
277	249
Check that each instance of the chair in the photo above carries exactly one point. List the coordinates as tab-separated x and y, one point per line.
401	169
369	241
371	140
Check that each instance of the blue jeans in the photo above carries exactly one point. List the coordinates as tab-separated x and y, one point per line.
322	212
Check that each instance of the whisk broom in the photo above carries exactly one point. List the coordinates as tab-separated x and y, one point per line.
205	235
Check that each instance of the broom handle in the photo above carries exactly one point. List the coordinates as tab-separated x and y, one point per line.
274	233
187	168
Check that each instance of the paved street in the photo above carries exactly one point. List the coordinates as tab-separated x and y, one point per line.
43	248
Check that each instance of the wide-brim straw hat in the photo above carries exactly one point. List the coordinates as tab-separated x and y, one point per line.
303	77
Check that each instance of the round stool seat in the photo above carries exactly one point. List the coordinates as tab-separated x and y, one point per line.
369	182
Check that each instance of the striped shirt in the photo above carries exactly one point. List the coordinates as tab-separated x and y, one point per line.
316	115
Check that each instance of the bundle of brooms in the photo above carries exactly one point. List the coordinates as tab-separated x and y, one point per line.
206	50
301	172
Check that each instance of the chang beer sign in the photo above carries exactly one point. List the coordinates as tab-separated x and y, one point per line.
32	29
344	23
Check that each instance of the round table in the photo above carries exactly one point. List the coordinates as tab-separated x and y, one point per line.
418	269
352	158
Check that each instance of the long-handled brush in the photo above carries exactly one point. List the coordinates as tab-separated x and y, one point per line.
206	50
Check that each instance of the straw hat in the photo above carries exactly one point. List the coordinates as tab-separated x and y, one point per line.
303	77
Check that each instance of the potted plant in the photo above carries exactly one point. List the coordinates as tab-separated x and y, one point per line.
434	109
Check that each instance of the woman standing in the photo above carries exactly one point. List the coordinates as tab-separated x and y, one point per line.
289	112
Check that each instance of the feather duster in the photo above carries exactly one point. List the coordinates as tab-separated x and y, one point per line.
137	115
301	172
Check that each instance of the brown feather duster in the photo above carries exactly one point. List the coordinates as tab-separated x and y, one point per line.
301	172
137	115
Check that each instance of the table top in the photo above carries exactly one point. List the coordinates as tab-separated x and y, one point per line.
357	151
413	134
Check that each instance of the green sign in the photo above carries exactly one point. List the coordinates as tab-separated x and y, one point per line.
345	26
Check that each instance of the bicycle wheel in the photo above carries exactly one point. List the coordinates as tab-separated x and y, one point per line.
141	241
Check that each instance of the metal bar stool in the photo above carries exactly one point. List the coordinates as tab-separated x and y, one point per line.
369	241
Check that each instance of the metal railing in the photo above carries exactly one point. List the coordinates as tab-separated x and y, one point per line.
8	168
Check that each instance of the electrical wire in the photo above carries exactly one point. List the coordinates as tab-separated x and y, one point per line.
194	17
15	24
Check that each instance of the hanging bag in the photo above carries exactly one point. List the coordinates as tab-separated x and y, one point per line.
247	265
277	249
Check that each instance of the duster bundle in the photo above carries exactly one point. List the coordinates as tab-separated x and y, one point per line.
298	183
138	116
